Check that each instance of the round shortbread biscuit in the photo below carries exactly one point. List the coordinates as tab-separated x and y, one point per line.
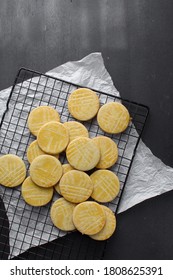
45	171
35	195
34	151
61	214
12	170
41	115
53	138
113	117
83	104
76	129
108	151
76	186
109	227
106	185
89	217
65	168
83	153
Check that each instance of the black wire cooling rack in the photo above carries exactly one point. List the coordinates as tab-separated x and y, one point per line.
26	232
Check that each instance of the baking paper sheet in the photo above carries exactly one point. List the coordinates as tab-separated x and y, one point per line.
148	176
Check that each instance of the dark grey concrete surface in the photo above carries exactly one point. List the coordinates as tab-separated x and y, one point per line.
136	41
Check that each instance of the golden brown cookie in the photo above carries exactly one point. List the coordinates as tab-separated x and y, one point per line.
53	138
65	168
76	186
41	115
34	151
76	129
61	214
12	170
83	104
35	195
83	154
45	171
108	150
89	217
109	227
106	185
113	117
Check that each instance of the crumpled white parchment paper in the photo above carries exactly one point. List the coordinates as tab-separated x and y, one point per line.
148	176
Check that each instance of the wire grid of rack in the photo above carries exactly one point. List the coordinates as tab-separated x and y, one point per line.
32	89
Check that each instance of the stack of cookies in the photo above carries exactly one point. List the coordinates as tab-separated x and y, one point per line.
82	194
